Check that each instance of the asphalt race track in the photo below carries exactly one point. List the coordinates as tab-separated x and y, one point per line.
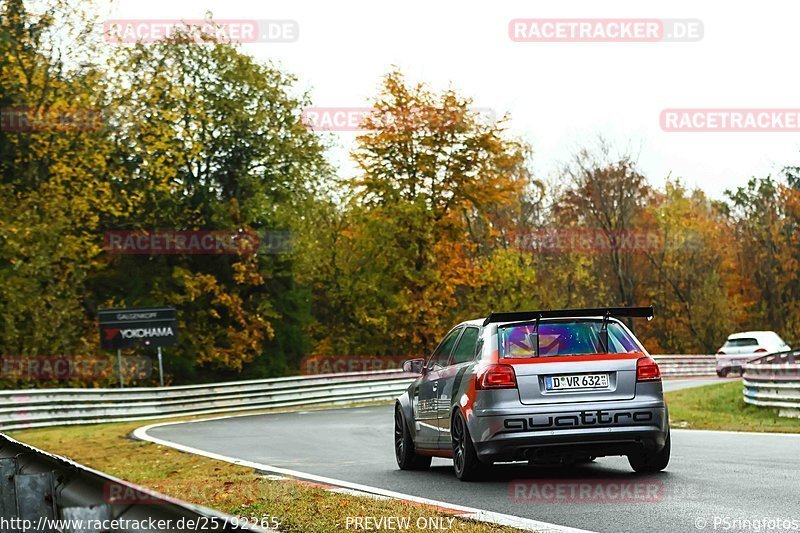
712	475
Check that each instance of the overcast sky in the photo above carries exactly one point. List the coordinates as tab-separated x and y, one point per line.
560	95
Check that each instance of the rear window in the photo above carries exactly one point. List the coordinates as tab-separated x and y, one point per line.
739	343
580	337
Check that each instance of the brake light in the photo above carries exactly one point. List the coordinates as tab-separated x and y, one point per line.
720	352
497	377
647	370
761	350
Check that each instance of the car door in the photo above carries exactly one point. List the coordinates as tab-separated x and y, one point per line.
426	426
450	379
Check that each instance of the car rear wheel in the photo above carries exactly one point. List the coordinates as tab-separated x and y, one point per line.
723	373
465	461
648	463
404	451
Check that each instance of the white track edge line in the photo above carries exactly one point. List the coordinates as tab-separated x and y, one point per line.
466	512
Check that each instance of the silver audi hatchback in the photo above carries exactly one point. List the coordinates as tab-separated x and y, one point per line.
546	387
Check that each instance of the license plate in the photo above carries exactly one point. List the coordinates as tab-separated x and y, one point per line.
576	381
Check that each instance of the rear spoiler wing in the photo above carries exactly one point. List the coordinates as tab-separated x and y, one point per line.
605	312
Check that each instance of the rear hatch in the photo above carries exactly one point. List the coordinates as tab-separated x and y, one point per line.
577	380
566	360
741	349
740	346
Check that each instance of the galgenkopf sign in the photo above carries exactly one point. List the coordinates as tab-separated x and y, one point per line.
146	326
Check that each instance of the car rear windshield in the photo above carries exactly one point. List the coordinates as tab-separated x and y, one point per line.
579	337
739	343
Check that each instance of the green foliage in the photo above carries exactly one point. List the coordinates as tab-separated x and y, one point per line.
53	189
766	215
216	143
692	277
404	251
194	136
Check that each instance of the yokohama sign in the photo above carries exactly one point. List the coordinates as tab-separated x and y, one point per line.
123	328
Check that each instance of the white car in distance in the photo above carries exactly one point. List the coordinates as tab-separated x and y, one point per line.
746	346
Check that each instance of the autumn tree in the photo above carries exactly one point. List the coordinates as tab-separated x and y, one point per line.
432	174
54	185
212	140
608	194
765	214
692	275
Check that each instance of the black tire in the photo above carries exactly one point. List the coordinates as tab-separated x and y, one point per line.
649	463
723	373
466	464
404	450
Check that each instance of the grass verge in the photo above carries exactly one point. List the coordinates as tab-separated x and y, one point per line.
721	407
236	490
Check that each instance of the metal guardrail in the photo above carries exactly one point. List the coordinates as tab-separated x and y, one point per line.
43	492
774	381
34	408
686	365
23	409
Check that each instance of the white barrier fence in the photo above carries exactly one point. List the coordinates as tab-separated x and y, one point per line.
774	381
686	365
54	407
22	409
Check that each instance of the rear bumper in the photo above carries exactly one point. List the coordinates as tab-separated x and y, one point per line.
734	364
591	430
